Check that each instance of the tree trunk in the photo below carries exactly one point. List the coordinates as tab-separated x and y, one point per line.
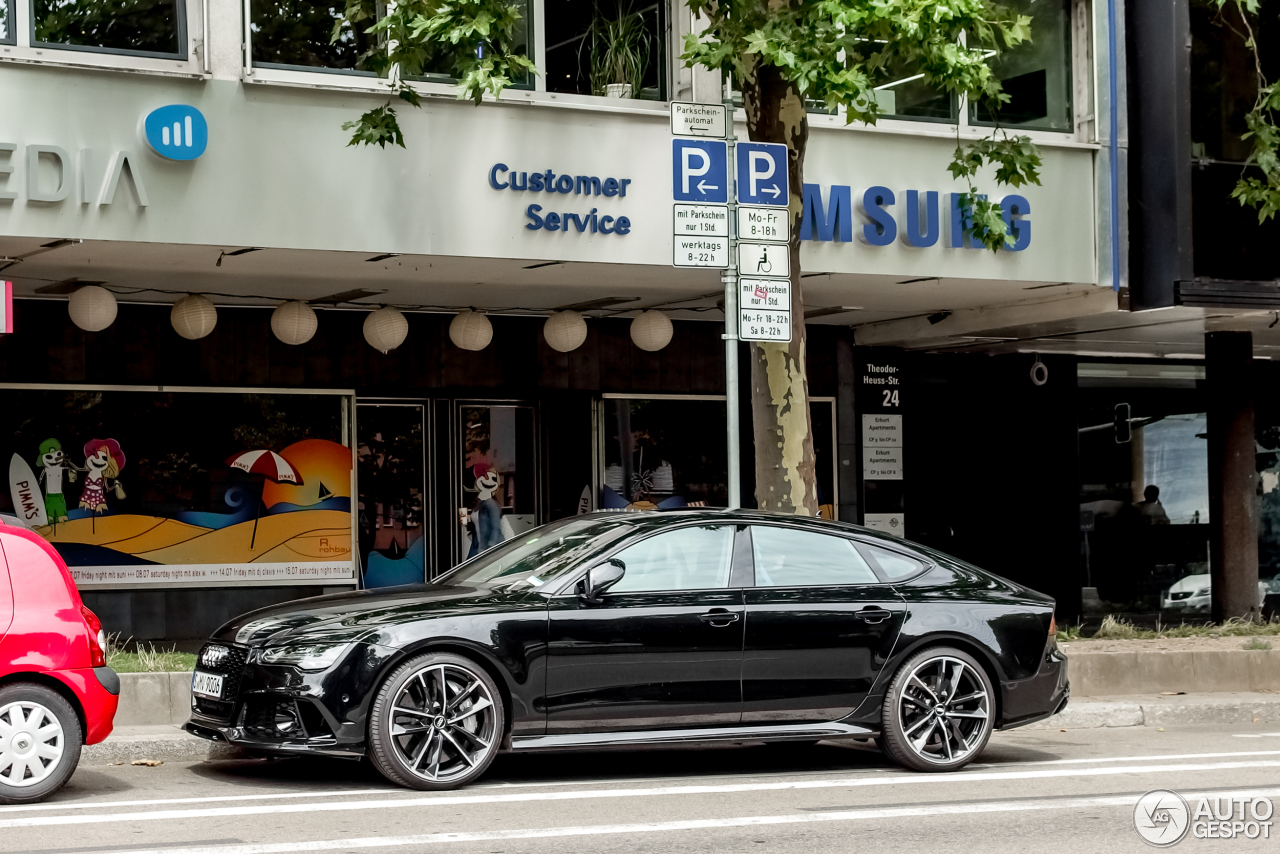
779	380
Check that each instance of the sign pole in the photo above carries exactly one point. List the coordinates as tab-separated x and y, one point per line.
730	279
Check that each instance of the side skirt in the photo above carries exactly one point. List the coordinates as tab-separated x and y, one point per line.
788	732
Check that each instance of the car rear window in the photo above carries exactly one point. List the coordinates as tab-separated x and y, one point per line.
893	566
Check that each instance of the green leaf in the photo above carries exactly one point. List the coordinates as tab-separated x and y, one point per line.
376	127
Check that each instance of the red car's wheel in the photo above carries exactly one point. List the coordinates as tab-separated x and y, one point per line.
39	742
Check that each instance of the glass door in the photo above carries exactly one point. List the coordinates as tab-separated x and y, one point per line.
392	487
497	484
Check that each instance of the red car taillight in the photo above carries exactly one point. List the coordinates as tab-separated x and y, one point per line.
97	638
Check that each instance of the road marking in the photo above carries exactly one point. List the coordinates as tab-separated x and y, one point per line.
344	793
1256	735
671	826
669	791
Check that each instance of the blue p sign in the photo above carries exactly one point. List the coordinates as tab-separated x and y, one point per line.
178	132
699	171
762	173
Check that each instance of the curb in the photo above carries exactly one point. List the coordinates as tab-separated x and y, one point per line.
1091	713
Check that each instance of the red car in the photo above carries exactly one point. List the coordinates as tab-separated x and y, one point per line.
56	691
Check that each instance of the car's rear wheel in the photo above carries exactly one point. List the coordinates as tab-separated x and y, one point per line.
938	712
40	741
436	723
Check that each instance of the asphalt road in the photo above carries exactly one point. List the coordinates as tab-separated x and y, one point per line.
1034	790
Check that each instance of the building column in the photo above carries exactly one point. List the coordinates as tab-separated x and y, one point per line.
1233	501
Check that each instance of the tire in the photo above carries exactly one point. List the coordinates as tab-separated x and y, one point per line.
924	727
40	738
416	743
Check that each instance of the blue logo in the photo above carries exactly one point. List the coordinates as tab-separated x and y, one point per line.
178	132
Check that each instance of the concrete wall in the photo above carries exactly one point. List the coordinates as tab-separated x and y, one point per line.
154	698
1102	674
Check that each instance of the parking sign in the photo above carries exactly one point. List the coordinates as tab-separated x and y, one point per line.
762	173
699	171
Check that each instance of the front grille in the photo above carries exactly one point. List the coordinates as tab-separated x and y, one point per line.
231	669
1182	595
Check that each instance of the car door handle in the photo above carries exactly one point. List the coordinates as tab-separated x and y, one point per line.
719	618
873	615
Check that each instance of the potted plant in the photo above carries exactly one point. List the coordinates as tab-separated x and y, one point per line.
619	53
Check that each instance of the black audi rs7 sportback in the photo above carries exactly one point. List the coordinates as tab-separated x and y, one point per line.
634	629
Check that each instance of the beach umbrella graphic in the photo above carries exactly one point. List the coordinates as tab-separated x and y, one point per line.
270	466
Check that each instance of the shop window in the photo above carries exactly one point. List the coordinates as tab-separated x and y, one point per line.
6	22
611	48
498	487
1035	75
392	482
142	488
664	453
1144	492
135	27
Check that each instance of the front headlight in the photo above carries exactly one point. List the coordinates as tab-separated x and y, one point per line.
1203	591
305	656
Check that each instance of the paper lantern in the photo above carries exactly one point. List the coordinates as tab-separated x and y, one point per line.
92	308
651	330
294	322
565	331
193	317
470	330
386	329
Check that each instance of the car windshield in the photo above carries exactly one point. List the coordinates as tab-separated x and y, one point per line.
536	557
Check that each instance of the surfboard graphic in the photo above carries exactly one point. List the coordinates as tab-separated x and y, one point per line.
24	489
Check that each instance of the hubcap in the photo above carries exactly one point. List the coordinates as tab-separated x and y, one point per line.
443	723
944	710
31	743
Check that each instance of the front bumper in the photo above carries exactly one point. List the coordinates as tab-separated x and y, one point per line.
1042	696
284	710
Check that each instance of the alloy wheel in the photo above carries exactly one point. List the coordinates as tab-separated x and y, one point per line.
444	723
944	710
31	744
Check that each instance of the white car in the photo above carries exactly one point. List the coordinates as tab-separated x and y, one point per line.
1191	595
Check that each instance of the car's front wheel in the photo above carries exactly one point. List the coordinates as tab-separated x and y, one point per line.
39	742
436	723
938	712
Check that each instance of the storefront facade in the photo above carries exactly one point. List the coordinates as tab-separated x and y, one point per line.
205	477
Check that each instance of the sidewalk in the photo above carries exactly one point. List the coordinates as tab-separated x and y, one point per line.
1168	710
164	742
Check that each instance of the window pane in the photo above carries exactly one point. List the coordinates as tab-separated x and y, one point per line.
905	95
684	559
592	45
116	26
790	558
298	32
892	564
1036	75
6	28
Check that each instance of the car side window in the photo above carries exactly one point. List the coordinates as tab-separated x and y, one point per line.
786	557
695	558
892	565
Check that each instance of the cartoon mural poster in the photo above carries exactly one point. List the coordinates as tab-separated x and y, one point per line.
54	467
292	524
103	461
485	524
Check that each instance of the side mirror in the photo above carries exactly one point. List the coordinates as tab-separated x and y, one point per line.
600	578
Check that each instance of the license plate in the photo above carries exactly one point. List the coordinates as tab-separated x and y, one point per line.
207	685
